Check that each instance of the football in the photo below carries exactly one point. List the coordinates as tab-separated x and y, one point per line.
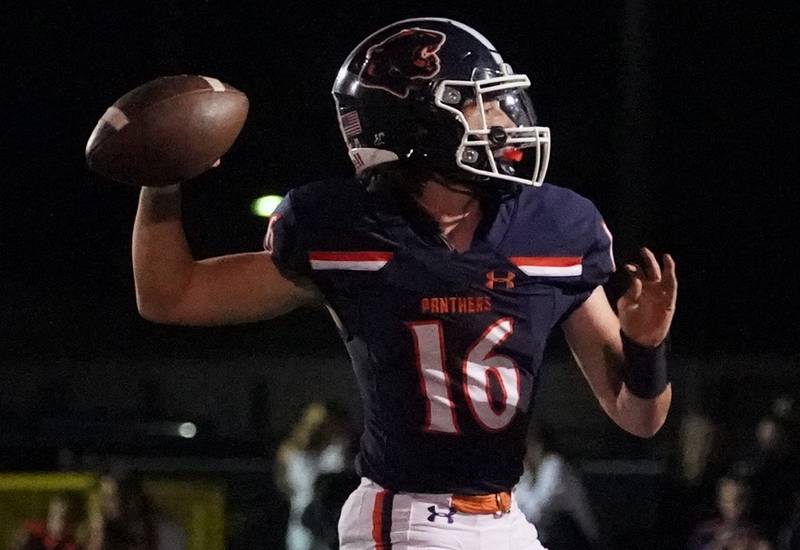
166	131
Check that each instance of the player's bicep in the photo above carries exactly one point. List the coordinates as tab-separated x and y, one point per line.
592	332
240	288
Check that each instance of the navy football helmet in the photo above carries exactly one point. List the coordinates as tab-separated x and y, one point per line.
402	95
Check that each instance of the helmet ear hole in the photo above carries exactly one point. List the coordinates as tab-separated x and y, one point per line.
436	136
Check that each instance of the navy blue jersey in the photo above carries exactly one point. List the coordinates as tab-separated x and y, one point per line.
446	346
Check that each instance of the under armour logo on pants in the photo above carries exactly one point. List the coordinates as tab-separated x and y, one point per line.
435	514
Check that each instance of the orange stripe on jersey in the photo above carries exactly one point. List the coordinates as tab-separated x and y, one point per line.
546	261
549	266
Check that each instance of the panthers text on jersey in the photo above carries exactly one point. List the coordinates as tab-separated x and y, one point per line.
446	346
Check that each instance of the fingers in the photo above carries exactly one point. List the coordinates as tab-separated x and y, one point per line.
651	268
670	280
669	271
651	272
635	288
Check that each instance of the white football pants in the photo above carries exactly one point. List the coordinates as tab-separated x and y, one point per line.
377	519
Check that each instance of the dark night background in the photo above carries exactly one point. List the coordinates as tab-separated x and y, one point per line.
674	120
677	119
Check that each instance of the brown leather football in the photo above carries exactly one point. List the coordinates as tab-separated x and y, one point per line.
166	131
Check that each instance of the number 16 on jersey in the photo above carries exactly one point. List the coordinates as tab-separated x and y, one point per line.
480	367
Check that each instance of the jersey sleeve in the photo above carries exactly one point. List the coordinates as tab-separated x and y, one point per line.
284	239
598	261
597	264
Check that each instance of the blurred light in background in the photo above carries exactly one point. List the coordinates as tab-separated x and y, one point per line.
265	206
187	430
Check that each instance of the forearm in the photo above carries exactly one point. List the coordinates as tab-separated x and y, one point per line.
645	379
162	261
636	415
593	333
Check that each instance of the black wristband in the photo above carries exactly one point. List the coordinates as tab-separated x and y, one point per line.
645	371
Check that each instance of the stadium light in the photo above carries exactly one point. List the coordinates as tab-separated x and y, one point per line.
266	205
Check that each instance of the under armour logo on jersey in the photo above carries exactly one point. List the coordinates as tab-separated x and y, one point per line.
505	279
434	514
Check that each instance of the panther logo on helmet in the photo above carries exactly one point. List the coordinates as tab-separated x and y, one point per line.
408	55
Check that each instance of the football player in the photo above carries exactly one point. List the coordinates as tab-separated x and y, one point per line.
445	262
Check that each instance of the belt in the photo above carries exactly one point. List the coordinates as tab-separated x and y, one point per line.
495	503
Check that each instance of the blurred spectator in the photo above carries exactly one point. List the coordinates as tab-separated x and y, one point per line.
331	490
60	531
689	492
701	457
317	444
127	520
704	460
775	475
730	529
551	495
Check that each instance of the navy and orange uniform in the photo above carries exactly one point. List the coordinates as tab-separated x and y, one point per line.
446	346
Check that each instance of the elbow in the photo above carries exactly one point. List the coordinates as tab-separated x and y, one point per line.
643	427
161	300
645	417
155	311
648	428
151	313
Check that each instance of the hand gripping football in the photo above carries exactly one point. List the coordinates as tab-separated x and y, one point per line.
166	131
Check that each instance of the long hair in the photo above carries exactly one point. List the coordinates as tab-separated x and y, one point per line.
404	180
397	178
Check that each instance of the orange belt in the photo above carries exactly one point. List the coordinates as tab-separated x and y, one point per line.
495	503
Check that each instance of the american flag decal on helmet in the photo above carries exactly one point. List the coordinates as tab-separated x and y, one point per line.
351	124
